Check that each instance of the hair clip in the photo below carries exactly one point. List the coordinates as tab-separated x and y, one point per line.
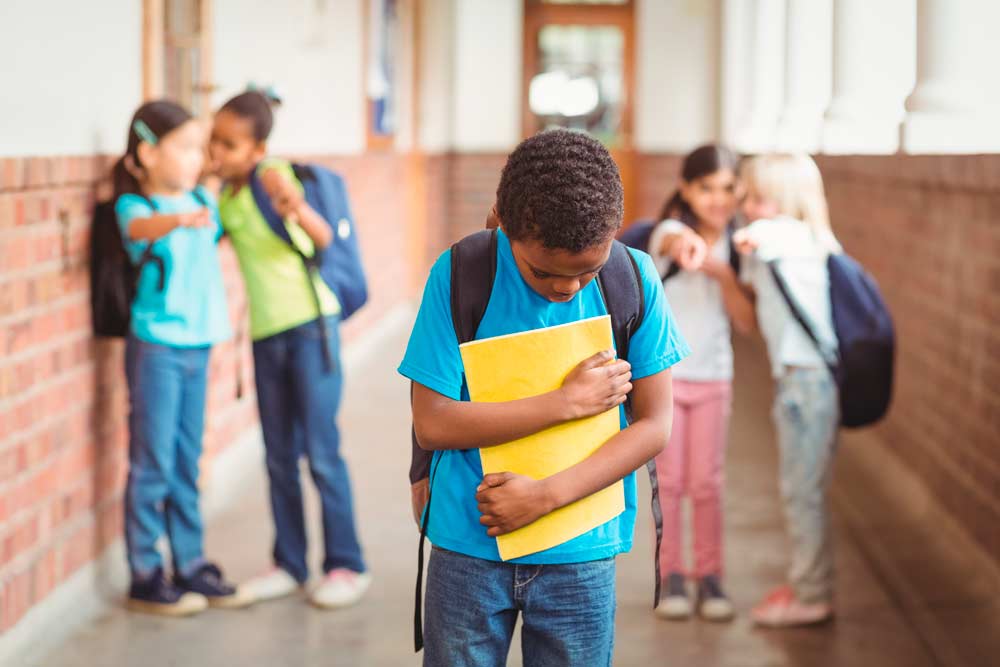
144	133
269	92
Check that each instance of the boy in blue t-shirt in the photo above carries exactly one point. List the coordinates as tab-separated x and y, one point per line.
559	205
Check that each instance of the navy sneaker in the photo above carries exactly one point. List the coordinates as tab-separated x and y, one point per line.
713	605
674	604
157	595
208	581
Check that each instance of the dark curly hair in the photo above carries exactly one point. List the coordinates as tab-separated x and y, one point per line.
563	189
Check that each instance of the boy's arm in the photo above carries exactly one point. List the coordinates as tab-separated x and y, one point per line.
593	387
508	501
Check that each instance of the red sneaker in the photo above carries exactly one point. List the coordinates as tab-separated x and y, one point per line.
781	609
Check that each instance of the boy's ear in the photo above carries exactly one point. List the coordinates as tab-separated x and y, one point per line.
492	219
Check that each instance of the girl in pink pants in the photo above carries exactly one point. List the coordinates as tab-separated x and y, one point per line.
693	251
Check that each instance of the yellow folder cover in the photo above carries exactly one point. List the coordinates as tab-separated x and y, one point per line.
525	364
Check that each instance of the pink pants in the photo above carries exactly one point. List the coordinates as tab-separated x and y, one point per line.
692	465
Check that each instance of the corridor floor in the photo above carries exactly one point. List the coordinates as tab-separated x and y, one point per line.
870	628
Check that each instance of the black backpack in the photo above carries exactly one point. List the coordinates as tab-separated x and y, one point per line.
113	276
473	269
866	339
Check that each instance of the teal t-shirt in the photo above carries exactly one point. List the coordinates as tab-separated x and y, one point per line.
191	310
432	358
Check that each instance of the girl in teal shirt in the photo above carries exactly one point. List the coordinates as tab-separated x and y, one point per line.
178	313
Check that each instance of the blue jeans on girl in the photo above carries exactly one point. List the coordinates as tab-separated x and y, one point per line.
166	420
298	398
807	416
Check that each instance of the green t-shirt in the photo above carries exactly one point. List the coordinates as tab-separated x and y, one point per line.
274	275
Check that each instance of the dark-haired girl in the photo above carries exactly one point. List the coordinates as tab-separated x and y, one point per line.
178	313
706	296
298	393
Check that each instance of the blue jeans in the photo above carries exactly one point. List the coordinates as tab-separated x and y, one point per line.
298	398
807	416
166	420
568	612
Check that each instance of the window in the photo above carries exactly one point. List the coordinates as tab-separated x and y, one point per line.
177	52
381	75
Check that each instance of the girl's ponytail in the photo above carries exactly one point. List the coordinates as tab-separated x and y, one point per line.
151	122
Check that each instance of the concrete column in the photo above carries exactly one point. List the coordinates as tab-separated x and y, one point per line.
808	74
954	107
758	130
873	70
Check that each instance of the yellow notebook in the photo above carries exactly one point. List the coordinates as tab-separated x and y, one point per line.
526	364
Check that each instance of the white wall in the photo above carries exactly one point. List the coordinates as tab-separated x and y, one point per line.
437	72
677	74
71	75
487	75
312	51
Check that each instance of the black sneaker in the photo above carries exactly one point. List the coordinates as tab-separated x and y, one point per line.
157	595
713	605
674	604
208	581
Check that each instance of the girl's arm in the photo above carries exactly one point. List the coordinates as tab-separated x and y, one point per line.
593	387
155	227
509	501
736	297
290	204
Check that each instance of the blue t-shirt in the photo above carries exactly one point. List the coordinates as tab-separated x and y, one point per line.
433	359
191	310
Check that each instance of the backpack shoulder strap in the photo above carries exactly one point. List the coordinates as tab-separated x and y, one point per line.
734	254
274	221
473	268
621	286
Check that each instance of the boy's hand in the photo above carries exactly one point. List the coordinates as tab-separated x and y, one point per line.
199	218
745	243
284	196
508	501
596	385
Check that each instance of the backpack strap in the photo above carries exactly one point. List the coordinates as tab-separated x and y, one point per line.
799	314
277	225
620	282
148	256
473	269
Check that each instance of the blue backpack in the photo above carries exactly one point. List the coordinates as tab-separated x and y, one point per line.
339	264
866	339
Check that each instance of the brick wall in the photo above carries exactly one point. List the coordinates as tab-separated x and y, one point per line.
928	228
63	452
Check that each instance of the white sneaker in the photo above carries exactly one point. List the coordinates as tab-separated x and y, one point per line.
340	588
276	583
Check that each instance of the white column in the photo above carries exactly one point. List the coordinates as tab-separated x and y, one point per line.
736	38
873	70
955	105
758	130
808	74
